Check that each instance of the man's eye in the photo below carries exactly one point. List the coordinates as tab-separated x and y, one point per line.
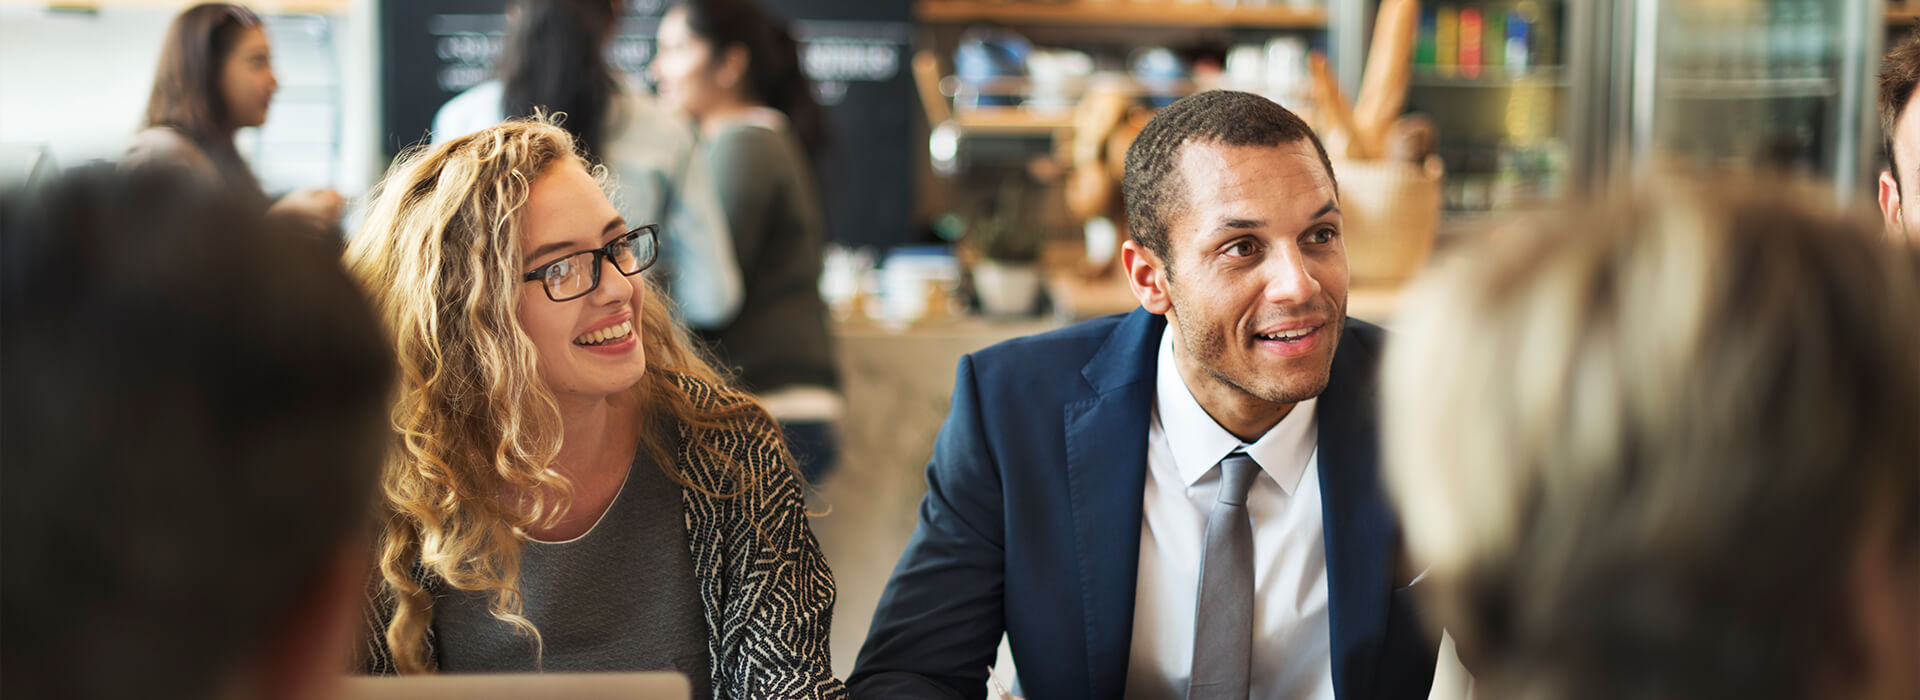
1325	235
1240	249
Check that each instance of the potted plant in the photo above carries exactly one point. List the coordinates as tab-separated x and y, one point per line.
1006	272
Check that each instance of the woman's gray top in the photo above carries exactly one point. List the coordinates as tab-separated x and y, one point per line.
621	597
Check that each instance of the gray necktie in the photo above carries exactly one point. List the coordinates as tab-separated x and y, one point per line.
1223	620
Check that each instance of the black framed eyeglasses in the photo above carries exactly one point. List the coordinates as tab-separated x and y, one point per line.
578	274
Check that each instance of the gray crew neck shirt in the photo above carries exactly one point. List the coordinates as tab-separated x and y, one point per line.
621	597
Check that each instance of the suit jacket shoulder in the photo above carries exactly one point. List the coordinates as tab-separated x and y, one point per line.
1061	363
1358	357
1367	334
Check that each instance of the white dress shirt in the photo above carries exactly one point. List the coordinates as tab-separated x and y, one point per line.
1292	653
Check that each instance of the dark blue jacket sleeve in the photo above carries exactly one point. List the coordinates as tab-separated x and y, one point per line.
939	622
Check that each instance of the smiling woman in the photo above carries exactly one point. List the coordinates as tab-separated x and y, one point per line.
572	485
573	324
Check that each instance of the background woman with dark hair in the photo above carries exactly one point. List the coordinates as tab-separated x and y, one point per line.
555	62
736	71
216	76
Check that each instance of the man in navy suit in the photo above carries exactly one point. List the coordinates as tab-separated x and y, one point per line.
1182	501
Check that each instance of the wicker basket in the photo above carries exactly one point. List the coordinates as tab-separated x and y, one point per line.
1390	213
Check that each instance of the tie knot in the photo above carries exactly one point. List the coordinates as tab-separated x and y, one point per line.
1236	477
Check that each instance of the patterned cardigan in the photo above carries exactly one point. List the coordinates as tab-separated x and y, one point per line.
764	585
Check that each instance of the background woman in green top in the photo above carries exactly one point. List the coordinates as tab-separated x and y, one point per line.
736	71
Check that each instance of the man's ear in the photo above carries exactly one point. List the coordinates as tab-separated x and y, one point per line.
1890	203
1146	276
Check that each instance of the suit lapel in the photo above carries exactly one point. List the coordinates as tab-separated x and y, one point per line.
1360	535
1106	441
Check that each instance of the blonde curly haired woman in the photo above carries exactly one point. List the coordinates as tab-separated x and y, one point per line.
573	486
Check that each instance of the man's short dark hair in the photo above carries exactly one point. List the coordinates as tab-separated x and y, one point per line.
1899	72
1153	187
193	417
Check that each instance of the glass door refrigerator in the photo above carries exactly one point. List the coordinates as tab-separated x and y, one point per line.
1750	84
1534	100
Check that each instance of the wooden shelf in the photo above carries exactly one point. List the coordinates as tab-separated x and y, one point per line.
1904	16
1490	77
265	7
1747	89
1137	13
1012	121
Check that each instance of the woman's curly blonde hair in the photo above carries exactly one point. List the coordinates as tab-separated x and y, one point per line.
439	256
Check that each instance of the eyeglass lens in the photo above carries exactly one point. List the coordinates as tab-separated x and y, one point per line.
578	274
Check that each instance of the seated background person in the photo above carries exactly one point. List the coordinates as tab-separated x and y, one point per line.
215	77
192	411
1669	447
1182	501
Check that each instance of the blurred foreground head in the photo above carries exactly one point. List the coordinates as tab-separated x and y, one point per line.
194	408
1669	447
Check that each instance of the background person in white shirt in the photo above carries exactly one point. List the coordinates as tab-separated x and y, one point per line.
1074	496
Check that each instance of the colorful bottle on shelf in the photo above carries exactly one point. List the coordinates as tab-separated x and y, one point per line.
1493	44
1470	26
1446	36
1519	42
1423	48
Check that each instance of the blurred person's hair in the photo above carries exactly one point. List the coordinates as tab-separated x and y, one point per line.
775	75
555	62
440	254
1899	72
192	426
1641	445
186	84
1154	190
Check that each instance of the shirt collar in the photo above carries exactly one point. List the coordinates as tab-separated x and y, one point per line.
1198	443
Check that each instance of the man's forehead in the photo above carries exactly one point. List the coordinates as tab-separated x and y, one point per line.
1905	117
1211	153
1211	170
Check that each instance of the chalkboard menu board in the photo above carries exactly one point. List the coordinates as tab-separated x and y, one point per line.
855	51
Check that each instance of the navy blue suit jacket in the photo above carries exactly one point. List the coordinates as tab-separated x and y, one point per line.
1031	526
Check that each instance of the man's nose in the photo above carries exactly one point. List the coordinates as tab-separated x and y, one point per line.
1290	281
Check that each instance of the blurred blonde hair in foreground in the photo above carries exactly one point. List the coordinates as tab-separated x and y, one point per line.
1668	447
